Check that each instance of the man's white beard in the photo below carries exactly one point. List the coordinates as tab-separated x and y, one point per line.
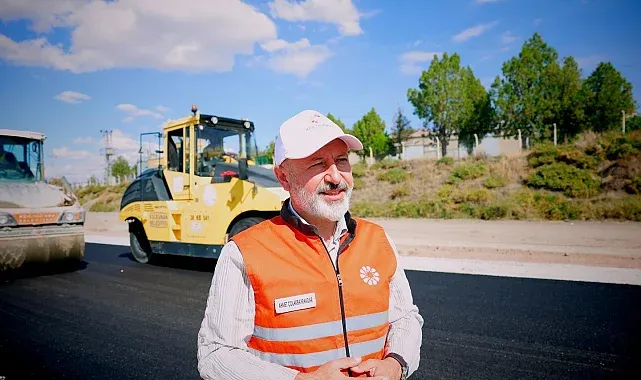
315	205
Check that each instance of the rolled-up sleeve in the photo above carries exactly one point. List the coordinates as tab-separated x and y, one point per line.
405	335
228	324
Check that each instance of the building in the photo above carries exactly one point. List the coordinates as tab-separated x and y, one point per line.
420	145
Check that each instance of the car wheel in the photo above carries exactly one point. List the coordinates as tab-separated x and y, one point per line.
140	248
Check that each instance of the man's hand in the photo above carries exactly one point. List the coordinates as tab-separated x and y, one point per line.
388	368
332	370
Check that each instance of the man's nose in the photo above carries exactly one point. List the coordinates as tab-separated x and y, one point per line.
332	175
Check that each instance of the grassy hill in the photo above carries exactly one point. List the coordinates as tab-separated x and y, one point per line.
596	177
101	198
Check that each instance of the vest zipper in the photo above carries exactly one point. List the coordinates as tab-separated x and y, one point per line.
340	287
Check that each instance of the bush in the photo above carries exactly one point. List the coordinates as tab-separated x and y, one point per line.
574	182
447	160
468	170
103	207
616	145
359	170
359	183
494	181
471	196
400	191
547	153
494	211
393	176
387	163
634	187
534	204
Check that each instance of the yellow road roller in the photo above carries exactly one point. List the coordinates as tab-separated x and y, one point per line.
39	222
206	188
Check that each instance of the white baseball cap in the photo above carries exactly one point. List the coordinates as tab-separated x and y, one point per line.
305	133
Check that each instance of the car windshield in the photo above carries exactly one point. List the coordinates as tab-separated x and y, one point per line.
20	159
220	144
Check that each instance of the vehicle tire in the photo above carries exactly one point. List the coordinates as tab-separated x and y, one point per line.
140	248
244	224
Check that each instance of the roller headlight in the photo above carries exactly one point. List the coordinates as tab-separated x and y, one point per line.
6	220
72	217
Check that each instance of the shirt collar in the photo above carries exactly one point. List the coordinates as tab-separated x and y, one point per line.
341	226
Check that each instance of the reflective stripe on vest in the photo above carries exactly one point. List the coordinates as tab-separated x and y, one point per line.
281	262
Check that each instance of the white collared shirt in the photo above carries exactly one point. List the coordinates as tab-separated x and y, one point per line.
228	321
332	244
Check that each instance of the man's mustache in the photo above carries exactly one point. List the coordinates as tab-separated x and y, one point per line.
323	187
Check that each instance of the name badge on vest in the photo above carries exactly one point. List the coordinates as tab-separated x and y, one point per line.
294	303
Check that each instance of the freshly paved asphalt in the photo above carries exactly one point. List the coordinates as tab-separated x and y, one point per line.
141	323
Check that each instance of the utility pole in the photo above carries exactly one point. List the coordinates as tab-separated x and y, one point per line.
108	152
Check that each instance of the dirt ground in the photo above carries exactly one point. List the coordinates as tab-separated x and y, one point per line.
609	244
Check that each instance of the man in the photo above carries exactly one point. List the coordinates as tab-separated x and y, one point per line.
312	293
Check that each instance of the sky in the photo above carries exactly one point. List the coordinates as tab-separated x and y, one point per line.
72	68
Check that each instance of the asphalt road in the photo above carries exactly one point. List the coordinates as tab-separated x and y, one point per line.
141	323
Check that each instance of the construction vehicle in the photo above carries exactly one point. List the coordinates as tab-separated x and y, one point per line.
39	222
200	194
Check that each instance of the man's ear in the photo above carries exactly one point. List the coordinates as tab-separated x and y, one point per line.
279	171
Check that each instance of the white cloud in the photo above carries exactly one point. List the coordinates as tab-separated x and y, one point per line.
162	109
83	140
79	165
192	35
507	38
133	111
474	31
342	13
78	171
123	142
43	14
71	97
410	61
65	152
298	58
537	21
486	1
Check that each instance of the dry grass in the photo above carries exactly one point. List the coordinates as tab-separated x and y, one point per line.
101	198
427	178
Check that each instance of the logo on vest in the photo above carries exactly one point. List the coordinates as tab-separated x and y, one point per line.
294	303
369	275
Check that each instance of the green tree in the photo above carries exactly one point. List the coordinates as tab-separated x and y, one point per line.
633	123
370	129
526	97
401	129
120	168
479	115
607	93
338	122
269	151
445	97
570	112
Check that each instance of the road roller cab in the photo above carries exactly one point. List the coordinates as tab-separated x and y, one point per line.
39	222
206	188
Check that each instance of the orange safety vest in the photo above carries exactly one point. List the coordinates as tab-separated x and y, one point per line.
307	312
